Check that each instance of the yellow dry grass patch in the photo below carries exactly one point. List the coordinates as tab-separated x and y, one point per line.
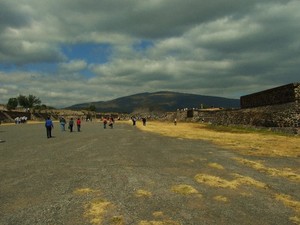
117	220
248	143
158	214
221	198
184	189
216	166
286	172
215	181
143	193
163	220
154	222
289	202
246	194
85	191
244	180
96	210
295	219
218	182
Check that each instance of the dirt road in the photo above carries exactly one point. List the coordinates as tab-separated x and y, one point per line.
126	176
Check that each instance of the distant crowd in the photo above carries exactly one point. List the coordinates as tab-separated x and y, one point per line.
71	124
22	119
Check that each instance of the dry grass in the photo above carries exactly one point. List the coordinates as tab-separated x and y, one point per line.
160	219
86	191
289	202
216	166
184	189
286	172
154	222
96	210
218	182
215	181
221	198
246	142
117	220
244	180
158	214
143	193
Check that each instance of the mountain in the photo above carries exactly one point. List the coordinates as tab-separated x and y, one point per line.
163	101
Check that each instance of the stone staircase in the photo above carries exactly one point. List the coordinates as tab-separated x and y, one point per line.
5	117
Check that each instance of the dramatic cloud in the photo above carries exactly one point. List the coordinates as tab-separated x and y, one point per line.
73	66
73	51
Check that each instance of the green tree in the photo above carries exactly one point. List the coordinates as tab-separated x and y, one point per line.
92	108
33	101
23	101
12	103
28	102
40	107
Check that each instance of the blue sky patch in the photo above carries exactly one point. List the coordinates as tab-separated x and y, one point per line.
90	52
143	45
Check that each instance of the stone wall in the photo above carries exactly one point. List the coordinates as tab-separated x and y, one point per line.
9	116
284	117
279	95
277	108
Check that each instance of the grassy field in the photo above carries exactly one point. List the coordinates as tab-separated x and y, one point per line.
245	141
267	169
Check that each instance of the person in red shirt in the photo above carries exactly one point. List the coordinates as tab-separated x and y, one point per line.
111	122
104	122
78	123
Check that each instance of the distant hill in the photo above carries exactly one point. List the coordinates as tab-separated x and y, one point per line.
163	101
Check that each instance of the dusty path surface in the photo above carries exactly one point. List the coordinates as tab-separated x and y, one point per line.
127	176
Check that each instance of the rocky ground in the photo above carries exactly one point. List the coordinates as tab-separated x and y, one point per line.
126	176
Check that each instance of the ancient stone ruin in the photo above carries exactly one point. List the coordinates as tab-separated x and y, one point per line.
275	96
276	108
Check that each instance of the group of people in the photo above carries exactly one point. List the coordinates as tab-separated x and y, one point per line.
22	119
62	121
110	121
134	119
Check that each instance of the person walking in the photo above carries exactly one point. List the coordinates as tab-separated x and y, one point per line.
111	122
62	122
144	121
133	120
49	126
78	123
71	124
104	122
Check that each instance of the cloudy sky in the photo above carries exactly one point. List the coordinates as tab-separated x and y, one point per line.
75	51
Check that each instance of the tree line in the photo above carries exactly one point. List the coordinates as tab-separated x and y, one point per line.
28	102
33	102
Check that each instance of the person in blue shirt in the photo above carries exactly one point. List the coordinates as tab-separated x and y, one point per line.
49	126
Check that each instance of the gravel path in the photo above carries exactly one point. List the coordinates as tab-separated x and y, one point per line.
126	176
